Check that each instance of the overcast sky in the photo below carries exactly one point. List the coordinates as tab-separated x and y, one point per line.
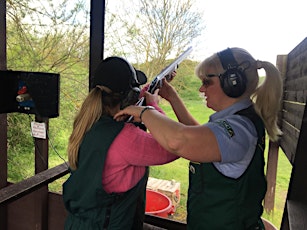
265	28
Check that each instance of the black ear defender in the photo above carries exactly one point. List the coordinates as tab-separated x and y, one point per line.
132	95
233	80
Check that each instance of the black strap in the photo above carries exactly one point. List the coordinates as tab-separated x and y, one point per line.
116	198
107	217
250	113
227	59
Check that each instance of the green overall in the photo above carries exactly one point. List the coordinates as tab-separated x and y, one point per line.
217	202
89	206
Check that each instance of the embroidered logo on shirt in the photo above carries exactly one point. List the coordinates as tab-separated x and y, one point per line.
227	127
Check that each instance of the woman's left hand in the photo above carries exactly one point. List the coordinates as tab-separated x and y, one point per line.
131	110
152	99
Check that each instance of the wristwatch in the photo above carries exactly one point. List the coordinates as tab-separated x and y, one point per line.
148	107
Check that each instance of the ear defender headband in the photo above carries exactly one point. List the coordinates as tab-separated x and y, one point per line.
131	96
233	80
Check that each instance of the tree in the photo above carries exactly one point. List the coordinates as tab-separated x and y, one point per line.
152	31
46	36
53	36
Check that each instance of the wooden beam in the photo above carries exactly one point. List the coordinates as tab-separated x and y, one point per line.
271	173
3	117
96	36
41	164
18	190
164	223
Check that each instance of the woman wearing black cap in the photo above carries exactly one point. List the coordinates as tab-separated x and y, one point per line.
109	159
226	180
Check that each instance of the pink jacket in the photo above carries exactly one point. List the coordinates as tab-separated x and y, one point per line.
131	151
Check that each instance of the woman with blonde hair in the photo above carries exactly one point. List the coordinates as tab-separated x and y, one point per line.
227	183
109	159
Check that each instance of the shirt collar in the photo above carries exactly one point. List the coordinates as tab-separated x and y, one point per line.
242	104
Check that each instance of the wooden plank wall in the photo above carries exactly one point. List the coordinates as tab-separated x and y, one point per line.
294	99
293	141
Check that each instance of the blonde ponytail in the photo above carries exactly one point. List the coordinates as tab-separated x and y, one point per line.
267	98
90	112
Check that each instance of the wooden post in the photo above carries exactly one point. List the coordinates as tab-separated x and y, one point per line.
272	161
41	164
96	35
3	166
3	117
269	200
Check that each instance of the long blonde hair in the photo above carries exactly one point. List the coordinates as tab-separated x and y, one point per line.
98	102
266	97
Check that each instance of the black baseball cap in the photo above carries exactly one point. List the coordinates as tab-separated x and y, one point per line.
118	75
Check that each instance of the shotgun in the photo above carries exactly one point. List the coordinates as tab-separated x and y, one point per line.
165	72
156	82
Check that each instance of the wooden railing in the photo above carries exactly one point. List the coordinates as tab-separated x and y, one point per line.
20	189
30	202
29	205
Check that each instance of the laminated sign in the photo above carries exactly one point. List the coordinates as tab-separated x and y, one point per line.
38	130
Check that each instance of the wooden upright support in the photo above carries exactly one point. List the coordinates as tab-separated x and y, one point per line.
3	117
41	164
